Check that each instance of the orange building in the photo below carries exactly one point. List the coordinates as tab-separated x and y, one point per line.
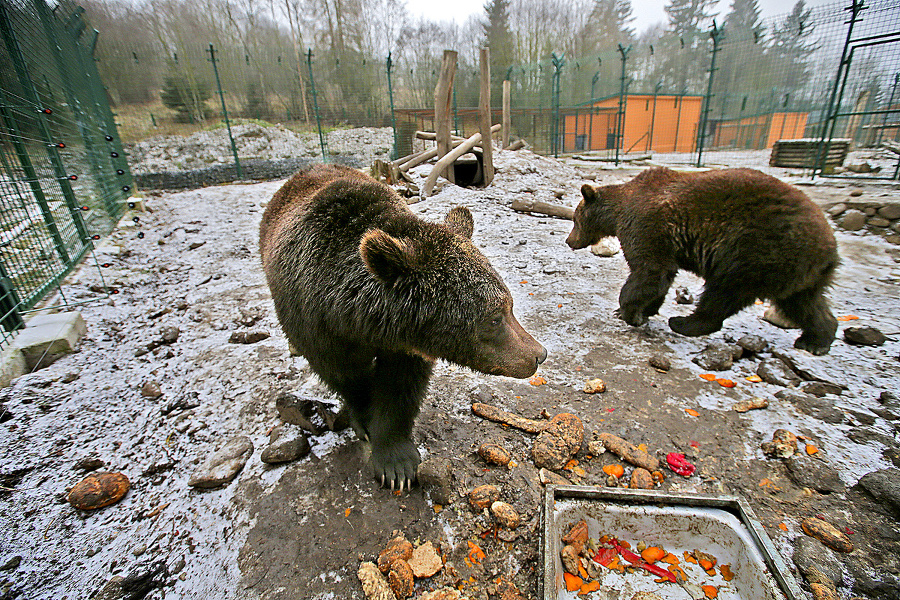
759	131
661	123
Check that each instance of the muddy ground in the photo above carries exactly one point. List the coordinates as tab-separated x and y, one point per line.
301	529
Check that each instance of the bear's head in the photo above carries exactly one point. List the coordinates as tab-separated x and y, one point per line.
455	306
594	218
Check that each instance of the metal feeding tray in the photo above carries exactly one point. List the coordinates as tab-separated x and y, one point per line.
723	527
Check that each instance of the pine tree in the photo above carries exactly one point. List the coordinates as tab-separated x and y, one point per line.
791	50
685	46
743	77
499	39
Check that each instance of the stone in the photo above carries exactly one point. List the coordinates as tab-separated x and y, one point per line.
821	388
814	474
435	476
853	220
90	463
753	343
783	444
548	477
47	338
151	389
837	209
716	357
827	533
661	362
425	561
893	238
12	563
641	479
374	585
111	590
810	554
818	408
778	319
594	386
285	446
247	337
98	490
606	247
505	515
864	336
483	496
777	372
397	549
866	435
877	222
883	486
683	296
401	579
224	465
562	439
311	414
890	212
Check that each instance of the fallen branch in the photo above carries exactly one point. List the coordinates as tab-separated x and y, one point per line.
516	145
446	161
492	413
553	210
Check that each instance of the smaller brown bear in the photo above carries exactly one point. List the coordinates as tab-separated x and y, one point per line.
372	296
747	234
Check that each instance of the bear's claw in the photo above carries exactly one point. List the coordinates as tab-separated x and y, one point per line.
395	464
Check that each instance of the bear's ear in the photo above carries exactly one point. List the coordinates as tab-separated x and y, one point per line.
459	219
589	193
387	257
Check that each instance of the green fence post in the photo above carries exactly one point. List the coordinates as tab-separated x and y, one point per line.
620	111
390	65
312	87
558	63
237	161
716	34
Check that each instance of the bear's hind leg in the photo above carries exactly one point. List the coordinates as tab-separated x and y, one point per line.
643	294
809	310
398	386
716	304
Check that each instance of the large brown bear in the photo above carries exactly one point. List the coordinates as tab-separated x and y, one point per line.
747	234
372	295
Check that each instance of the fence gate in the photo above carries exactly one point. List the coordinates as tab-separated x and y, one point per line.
64	179
864	105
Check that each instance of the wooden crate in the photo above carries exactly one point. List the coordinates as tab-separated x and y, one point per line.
802	153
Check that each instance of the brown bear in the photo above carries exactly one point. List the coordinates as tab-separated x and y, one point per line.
747	234
372	295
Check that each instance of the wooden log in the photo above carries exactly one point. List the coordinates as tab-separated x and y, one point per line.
417	159
446	161
443	95
516	145
507	118
408	157
543	208
484	118
431	136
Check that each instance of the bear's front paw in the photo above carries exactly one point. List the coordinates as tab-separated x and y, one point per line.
394	463
815	346
630	315
693	326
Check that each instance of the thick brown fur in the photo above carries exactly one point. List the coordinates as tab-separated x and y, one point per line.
372	295
747	234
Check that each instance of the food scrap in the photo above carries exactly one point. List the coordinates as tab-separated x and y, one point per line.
678	463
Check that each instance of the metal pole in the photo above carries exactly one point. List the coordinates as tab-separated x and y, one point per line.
889	104
558	63
237	162
390	64
716	35
620	113
312	86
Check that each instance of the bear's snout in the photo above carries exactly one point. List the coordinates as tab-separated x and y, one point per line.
574	240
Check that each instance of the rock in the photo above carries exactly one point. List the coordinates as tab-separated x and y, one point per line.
594	386
776	371
247	337
111	590
562	439
570	559
494	454
90	463
815	475
548	477
285	446
827	533
250	316
12	563
683	296
374	585
864	336
883	588
505	515
151	389
641	480
401	580
609	246
890	407
890	212
865	435
883	486
777	318
98	490
397	549
483	496
223	465
783	444
169	335
752	404
444	593
809	555
753	343
313	415
877	222
853	220
818	408
716	357
425	561
661	362
821	388
577	536
435	476
837	209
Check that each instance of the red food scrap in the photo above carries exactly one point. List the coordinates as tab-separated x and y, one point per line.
679	464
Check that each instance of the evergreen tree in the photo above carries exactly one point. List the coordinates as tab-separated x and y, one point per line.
742	64
608	25
791	50
685	47
498	38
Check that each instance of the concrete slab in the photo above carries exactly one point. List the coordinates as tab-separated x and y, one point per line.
48	337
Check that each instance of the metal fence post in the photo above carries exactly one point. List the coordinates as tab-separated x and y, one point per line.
716	34
558	63
237	161
312	87
390	64
620	112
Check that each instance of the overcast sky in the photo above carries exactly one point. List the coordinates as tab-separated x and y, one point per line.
646	12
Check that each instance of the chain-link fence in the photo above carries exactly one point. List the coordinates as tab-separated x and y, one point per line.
63	174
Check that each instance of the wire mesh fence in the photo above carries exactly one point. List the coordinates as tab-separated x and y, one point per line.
64	173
